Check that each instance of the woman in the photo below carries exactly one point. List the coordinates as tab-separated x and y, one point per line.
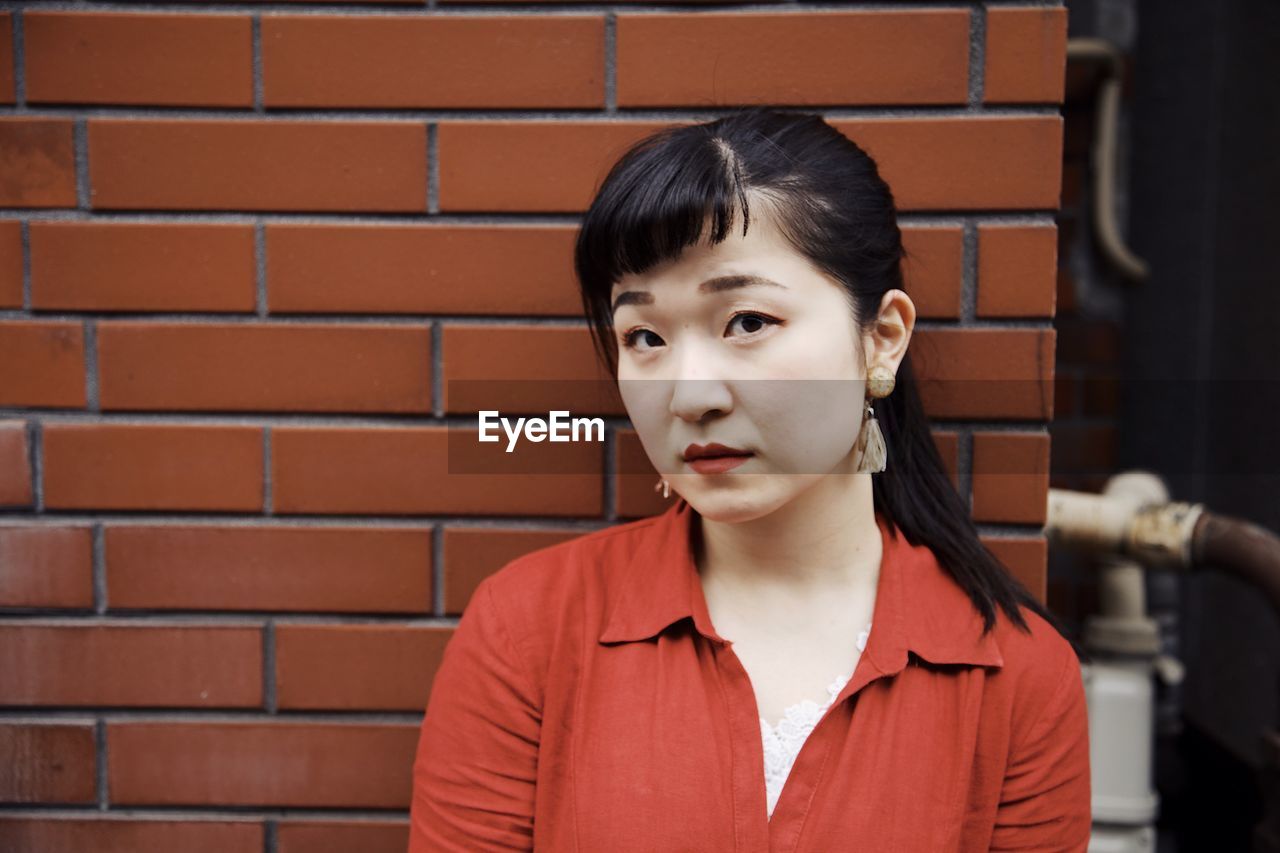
810	650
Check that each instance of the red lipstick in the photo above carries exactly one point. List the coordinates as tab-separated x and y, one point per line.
714	458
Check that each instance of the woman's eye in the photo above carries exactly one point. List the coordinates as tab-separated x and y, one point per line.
753	322
629	340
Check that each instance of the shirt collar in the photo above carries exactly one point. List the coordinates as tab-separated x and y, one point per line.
919	607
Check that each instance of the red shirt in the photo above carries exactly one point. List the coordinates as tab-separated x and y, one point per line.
586	703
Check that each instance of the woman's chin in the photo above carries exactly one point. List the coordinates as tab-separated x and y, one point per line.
733	503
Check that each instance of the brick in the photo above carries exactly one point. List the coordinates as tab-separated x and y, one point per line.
416	470
1011	476
125	835
525	369
46	566
951	163
529	165
994	162
985	373
48	762
282	569
127	266
339	836
250	164
7	91
10	262
916	56
422	269
186	59
357	667
37	162
933	270
1026	55
15	465
42	364
1017	270
208	666
1027	559
471	554
312	367
489	62
277	763
947	443
153	466
635	495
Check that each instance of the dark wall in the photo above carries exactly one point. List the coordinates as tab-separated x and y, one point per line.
1201	350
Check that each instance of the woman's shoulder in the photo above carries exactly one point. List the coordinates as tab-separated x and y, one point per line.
543	593
594	557
1039	642
1041	669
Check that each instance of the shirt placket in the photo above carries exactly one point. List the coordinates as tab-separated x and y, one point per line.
746	758
750	815
754	829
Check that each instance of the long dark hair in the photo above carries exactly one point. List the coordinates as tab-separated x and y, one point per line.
835	209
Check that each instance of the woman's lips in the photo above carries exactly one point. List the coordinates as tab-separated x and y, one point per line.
717	464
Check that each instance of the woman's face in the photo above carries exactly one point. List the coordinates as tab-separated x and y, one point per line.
747	345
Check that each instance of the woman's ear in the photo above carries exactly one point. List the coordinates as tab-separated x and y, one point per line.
886	342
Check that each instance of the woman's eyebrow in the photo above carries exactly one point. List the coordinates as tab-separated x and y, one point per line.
712	285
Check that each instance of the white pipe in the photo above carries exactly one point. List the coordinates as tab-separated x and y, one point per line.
1124	641
1106	228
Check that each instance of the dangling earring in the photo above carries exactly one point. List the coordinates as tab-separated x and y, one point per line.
875	454
664	487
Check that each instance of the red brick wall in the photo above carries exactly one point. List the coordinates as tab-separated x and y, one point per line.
243	254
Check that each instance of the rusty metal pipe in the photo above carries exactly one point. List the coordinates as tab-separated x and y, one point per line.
1166	535
1241	549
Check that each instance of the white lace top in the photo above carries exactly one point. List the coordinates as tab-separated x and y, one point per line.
782	744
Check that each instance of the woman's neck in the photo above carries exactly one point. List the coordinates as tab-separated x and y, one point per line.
826	537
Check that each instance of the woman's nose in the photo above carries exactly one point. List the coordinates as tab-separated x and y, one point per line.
698	389
694	400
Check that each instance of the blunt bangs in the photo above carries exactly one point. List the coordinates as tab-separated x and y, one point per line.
661	197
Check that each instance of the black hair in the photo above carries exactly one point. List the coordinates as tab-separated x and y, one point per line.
832	206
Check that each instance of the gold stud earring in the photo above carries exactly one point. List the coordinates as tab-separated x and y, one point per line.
880	381
664	487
